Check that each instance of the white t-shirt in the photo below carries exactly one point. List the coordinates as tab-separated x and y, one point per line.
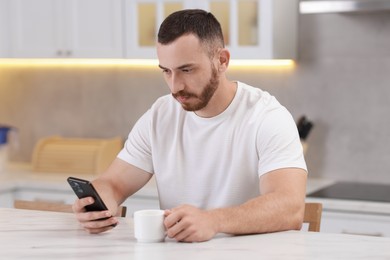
214	162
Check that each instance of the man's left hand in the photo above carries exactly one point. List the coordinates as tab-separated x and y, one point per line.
190	224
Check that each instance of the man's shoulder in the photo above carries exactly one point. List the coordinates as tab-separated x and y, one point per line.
254	96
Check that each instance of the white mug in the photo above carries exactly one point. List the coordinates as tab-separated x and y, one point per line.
149	225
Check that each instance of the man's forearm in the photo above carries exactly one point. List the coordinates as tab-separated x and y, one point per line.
120	181
107	193
280	206
267	213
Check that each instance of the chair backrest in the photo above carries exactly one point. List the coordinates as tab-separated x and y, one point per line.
52	206
313	214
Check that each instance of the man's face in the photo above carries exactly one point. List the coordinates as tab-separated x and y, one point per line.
189	72
193	101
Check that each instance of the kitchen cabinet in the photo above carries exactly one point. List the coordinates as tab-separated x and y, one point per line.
3	28
6	199
354	208
20	182
27	192
356	223
142	20
42	194
65	29
136	202
253	29
354	216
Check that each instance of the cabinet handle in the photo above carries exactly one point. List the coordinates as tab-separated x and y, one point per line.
59	53
374	234
68	53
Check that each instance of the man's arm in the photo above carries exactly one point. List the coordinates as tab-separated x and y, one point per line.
120	181
279	207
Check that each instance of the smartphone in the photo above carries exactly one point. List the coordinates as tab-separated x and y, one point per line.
84	188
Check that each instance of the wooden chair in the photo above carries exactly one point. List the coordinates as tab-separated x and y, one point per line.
313	214
52	206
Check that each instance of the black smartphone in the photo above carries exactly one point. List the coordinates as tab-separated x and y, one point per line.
84	188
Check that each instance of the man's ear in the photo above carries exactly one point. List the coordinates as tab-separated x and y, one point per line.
224	58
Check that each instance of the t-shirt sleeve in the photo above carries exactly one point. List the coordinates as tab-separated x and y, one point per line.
137	148
278	143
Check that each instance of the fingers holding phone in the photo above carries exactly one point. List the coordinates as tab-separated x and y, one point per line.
79	204
90	209
93	221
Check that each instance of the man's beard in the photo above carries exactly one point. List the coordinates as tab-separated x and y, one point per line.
204	97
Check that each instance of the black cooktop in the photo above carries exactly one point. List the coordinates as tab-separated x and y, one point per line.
354	191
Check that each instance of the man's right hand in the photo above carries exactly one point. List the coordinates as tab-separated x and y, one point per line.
93	222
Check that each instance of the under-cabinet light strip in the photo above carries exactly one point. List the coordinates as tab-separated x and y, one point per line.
138	63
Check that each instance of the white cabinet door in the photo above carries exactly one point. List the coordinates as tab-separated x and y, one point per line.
48	195
4	26
66	29
253	29
6	199
258	29
133	203
35	28
94	29
142	20
355	223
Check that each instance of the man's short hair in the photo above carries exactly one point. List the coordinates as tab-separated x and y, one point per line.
198	22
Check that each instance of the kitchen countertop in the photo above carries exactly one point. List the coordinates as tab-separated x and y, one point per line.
20	176
345	205
30	234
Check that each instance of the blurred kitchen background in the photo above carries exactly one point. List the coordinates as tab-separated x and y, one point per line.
340	81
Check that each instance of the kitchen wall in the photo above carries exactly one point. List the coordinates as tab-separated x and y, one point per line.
341	82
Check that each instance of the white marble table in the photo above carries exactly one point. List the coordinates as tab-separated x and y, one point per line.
28	234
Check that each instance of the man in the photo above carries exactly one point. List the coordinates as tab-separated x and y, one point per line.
226	156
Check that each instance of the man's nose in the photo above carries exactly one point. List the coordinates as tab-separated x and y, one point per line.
177	84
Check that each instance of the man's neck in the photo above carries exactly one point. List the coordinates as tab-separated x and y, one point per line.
220	100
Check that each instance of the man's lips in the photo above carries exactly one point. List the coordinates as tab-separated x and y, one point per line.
182	99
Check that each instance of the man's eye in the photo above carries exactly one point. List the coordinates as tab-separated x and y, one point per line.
186	70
